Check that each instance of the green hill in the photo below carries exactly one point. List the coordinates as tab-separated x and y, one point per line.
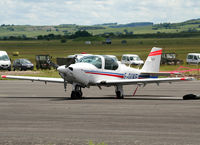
67	29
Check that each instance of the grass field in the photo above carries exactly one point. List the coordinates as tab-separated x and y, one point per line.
28	49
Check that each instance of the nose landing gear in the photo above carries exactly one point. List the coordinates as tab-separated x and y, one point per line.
76	92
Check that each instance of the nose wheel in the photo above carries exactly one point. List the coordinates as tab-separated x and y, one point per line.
76	92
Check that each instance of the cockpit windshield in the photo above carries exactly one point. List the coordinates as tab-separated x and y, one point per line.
95	60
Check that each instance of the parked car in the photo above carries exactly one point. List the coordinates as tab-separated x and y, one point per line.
22	64
193	58
5	63
131	59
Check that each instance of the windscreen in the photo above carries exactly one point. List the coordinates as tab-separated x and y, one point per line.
171	56
4	57
25	61
95	60
135	58
43	57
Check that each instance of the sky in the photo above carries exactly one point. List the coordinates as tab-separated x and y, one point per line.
90	12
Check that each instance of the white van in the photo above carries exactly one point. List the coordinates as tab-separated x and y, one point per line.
5	63
131	59
193	58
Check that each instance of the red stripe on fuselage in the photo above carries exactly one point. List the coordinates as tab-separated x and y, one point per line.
154	53
112	75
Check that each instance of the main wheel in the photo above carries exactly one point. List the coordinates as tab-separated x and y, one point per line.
189	97
9	69
119	96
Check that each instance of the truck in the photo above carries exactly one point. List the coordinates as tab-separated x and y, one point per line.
170	59
42	61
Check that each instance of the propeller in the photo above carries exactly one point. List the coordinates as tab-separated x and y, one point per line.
65	84
52	64
62	71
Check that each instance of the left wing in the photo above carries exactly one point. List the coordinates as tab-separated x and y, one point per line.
143	81
42	79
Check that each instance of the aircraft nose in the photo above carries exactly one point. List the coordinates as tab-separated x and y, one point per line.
61	69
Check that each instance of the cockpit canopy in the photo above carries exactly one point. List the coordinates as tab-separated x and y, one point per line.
100	61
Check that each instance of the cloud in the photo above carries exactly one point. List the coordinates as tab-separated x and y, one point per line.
87	12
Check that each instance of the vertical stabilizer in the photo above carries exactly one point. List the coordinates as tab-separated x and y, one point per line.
152	63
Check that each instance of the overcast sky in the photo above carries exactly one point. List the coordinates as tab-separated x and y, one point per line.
87	12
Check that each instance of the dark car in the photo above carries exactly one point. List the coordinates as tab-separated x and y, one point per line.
22	64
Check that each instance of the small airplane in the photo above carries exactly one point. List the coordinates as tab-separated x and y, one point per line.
102	70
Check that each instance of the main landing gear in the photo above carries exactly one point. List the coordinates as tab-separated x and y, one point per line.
76	92
119	92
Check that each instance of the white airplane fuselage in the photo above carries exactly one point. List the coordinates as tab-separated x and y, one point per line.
87	74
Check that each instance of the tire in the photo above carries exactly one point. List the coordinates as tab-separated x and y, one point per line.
189	97
75	95
119	96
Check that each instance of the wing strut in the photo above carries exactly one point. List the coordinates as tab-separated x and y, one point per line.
135	90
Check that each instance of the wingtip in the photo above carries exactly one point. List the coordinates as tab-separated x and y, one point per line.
188	78
3	76
183	79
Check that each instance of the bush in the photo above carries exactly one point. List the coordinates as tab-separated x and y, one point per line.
63	40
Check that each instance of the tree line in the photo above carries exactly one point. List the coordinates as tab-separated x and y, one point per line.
85	34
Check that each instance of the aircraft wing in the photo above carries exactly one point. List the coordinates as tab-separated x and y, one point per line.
42	79
159	73
143	81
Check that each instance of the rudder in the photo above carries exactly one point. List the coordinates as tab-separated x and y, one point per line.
152	63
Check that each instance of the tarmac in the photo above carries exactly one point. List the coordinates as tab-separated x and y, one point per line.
39	114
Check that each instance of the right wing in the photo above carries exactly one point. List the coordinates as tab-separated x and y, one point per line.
42	79
143	81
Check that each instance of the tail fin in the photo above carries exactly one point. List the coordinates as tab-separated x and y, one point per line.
152	63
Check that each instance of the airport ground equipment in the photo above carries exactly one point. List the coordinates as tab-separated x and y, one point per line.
42	61
170	59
